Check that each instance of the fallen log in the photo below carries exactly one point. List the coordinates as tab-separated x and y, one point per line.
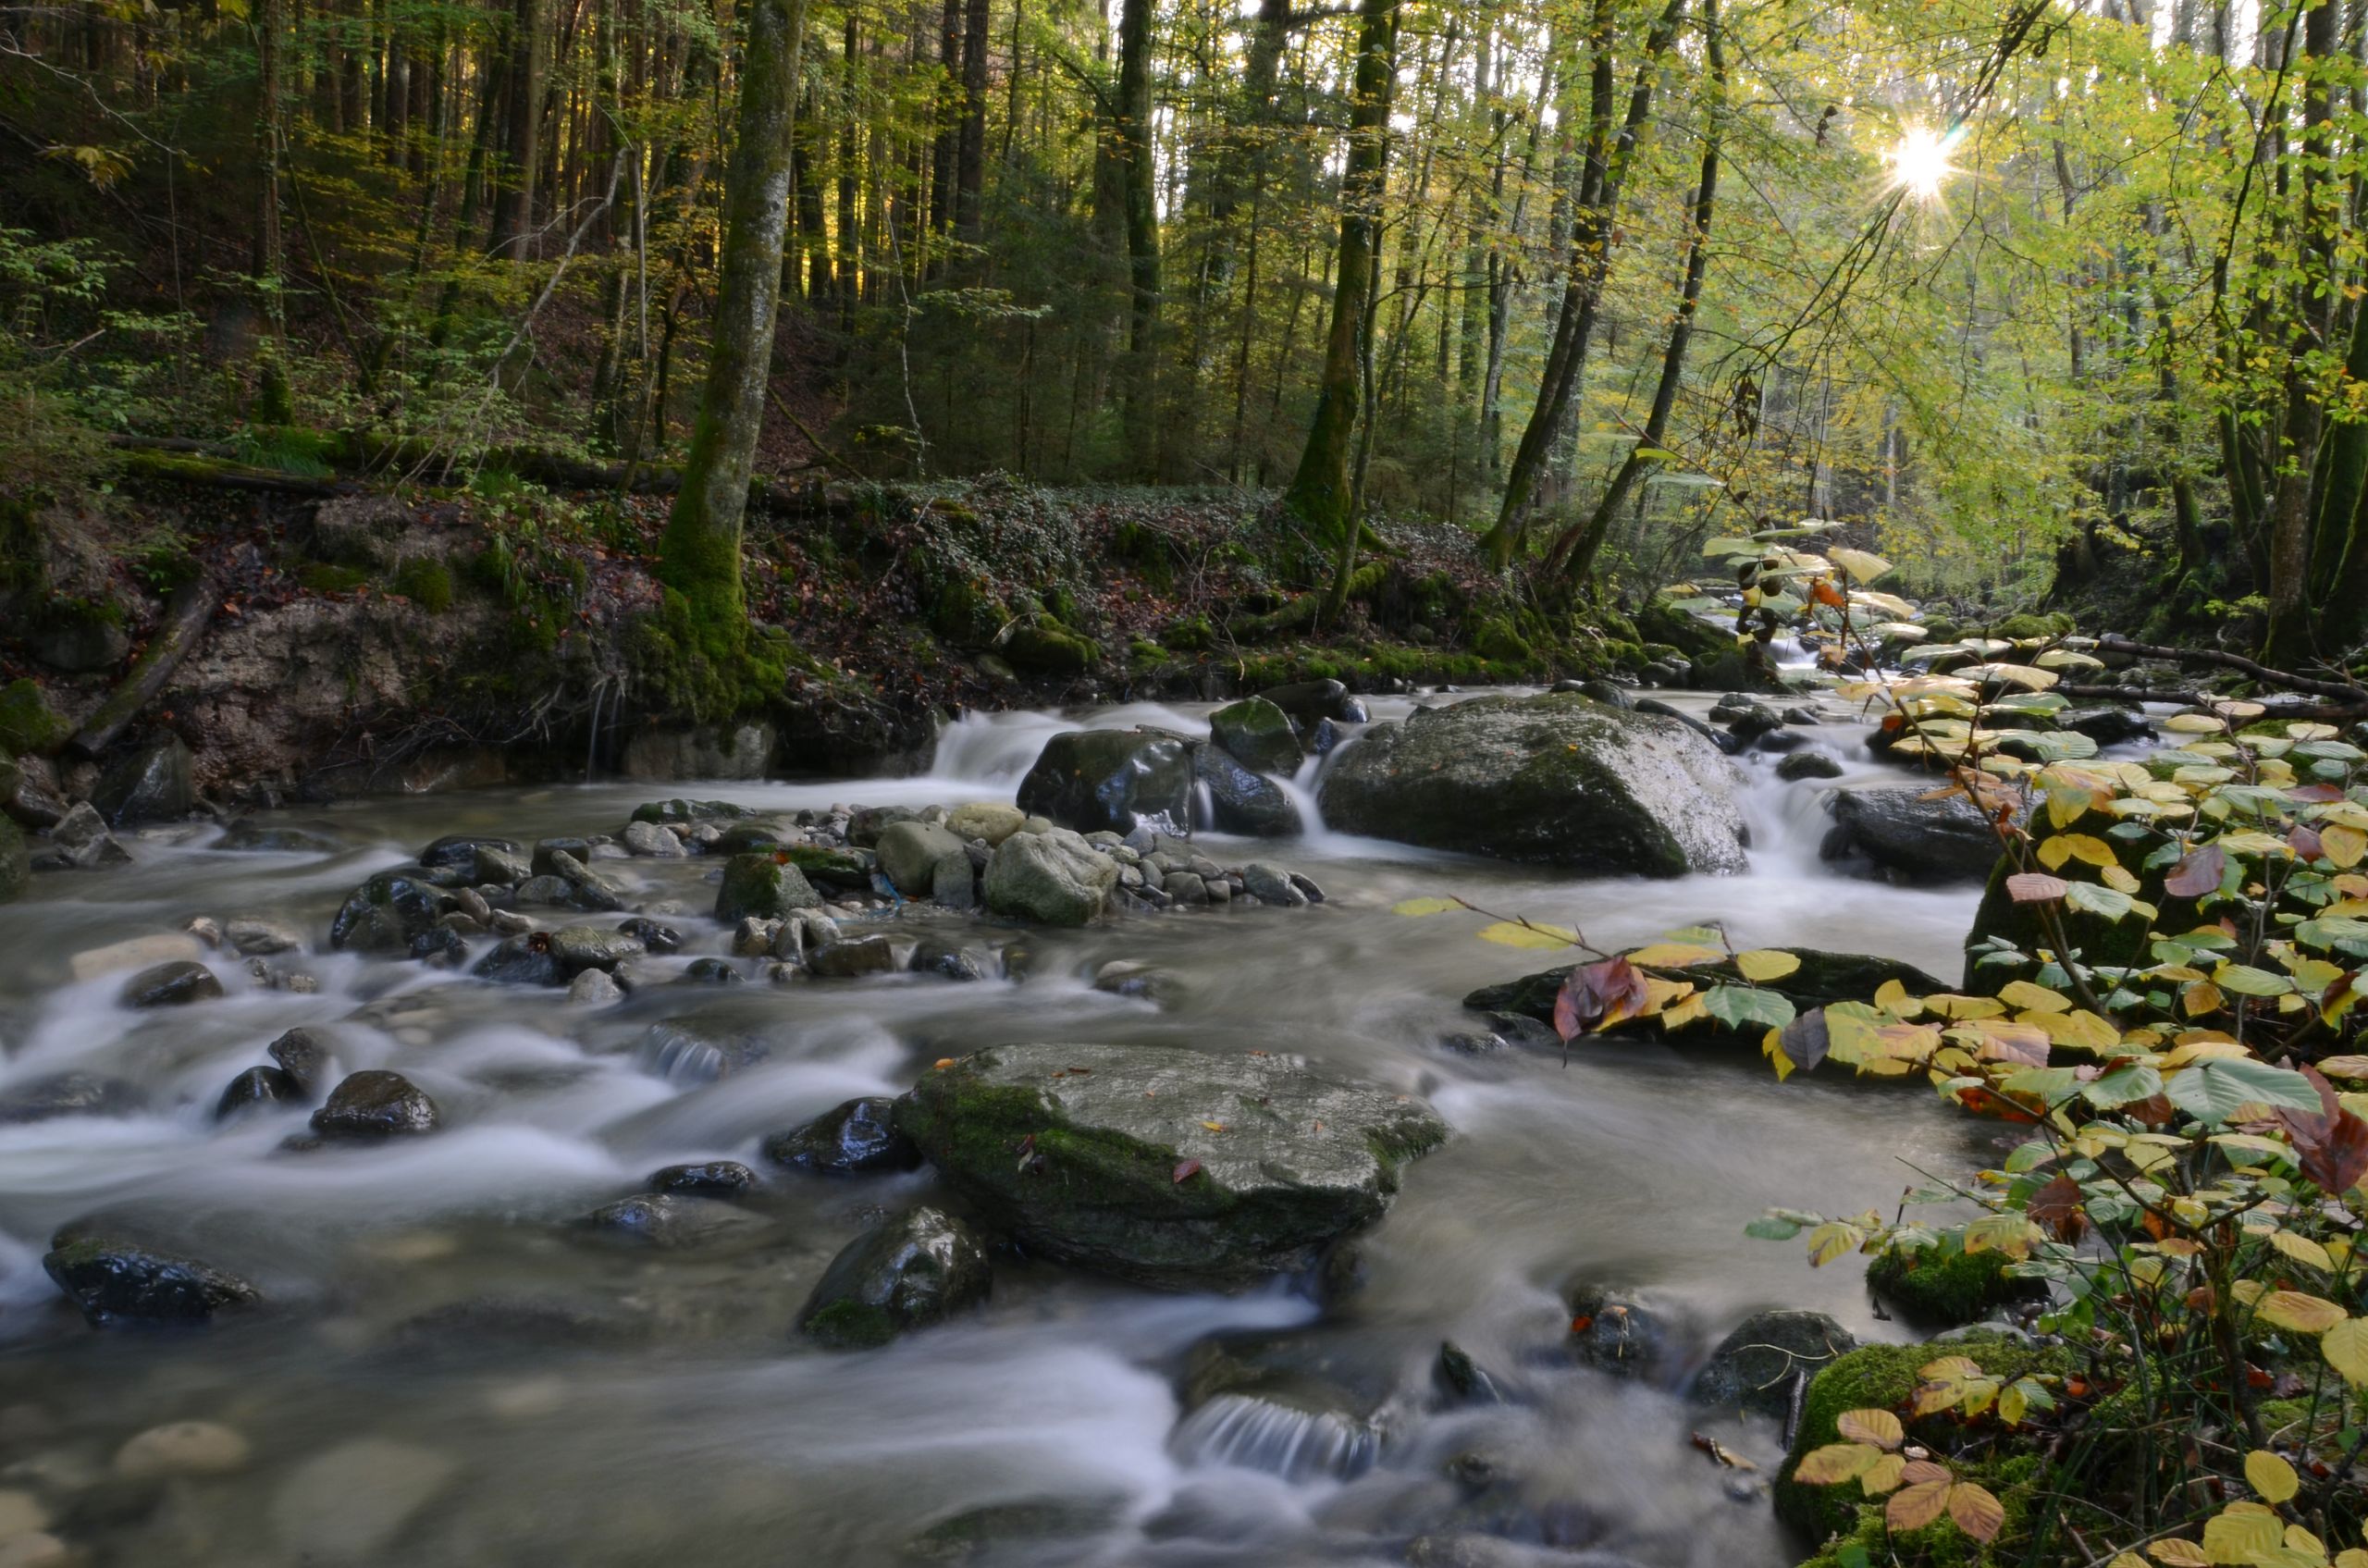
2348	691
186	614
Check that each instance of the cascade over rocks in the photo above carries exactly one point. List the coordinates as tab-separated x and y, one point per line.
1909	838
1555	779
1106	1132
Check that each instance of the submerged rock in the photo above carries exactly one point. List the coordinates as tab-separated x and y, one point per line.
72	1093
1169	1166
173	984
708	1179
254	837
674	1220
1625	1334
1112	779
376	1104
906	1273
1555	779
1910	838
118	1279
1755	1368
1055	878
257	1087
525	959
854	1139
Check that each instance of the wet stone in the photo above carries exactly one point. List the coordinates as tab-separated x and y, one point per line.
909	1272
709	1178
303	1056
854	1139
257	1087
120	1279
674	1220
376	1104
171	984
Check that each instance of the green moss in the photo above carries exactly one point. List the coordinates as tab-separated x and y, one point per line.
1868	1541
1497	640
29	726
692	674
1046	650
2015	628
850	1324
1882	1377
320	578
1944	1284
426	582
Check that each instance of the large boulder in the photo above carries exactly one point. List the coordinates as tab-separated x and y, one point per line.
909	853
1909	838
1257	735
1117	780
115	1279
152	785
1242	801
1756	1368
1554	778
1165	1165
906	1273
1055	878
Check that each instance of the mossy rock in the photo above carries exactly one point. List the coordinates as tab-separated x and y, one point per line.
1946	1285
1869	1542
427	584
1046	650
2018	628
29	726
2098	940
1498	639
1883	1377
322	578
765	886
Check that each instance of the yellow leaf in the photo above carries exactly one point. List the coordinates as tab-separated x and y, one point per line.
1834	1464
1862	566
1424	906
2039	998
2177	1553
1883	1475
2302	1313
1893	998
1978	1512
1674	955
2346	1348
2344	846
1760	965
1879	1428
2240	1532
1912	1508
1833	1239
2272	1479
1214	1126
2119	880
1691	1010
2302	1249
1513	933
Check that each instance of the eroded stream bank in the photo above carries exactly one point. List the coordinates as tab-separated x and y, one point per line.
445	1369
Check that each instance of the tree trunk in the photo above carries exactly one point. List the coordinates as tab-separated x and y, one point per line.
1574	553
1138	196
1592	215
699	555
970	179
1319	491
513	202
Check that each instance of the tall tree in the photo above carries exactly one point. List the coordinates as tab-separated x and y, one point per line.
1319	491
699	555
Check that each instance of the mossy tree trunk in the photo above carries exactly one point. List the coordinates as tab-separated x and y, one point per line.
1319	492
699	557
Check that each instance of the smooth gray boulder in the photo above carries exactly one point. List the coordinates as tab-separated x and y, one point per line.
909	853
1055	878
1164	1165
1555	779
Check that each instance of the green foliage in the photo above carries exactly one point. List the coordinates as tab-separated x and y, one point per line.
29	726
426	583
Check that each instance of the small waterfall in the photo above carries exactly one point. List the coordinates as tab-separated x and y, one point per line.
1282	1440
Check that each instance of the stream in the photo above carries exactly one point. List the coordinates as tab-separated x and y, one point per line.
446	1372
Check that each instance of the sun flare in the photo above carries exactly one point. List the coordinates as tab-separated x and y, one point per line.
1919	163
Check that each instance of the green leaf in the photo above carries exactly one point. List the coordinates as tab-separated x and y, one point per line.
2103	902
2124	1084
2213	1090
1738	1006
1771	1227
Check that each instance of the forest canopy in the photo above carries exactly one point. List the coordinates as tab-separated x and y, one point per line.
2027	296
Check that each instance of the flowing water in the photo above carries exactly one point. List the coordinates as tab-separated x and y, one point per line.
446	1372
